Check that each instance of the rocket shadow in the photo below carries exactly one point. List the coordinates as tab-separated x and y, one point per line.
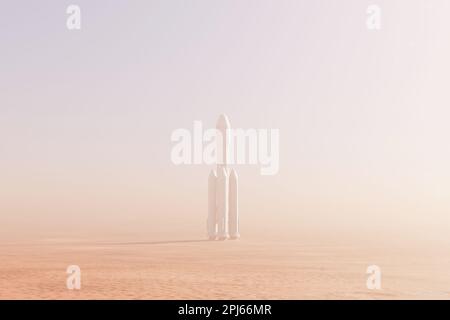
161	242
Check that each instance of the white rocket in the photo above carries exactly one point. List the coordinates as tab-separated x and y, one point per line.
223	214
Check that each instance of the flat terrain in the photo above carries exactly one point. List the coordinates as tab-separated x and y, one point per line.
197	269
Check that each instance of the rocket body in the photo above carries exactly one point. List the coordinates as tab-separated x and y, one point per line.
222	204
233	210
212	215
223	139
223	214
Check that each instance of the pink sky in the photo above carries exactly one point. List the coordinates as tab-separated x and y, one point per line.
86	116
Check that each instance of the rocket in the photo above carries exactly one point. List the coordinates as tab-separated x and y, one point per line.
223	214
233	213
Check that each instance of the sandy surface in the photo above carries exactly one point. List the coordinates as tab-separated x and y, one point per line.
197	269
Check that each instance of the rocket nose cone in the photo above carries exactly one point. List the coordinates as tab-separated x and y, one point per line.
223	122
222	173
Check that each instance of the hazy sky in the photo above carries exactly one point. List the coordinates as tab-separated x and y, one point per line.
86	116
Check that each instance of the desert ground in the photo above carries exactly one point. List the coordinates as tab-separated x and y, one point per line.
200	269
